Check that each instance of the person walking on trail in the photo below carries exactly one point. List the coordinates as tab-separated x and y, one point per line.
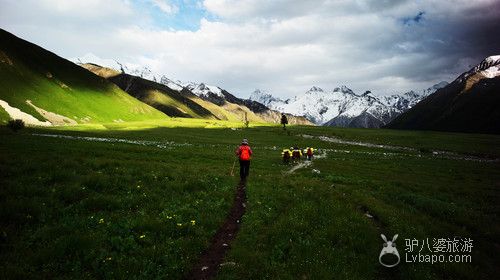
244	153
284	120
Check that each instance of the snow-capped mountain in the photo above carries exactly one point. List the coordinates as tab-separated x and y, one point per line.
264	97
405	101
342	107
132	69
489	68
171	84
203	90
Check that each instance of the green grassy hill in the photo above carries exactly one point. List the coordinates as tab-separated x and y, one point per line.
161	97
57	85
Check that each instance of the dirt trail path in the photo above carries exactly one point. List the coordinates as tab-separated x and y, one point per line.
210	261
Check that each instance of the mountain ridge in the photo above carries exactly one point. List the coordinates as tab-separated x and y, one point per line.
213	101
343	107
471	103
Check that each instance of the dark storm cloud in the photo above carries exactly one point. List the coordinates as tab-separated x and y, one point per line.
452	43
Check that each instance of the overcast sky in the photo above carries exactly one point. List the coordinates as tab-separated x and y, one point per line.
284	47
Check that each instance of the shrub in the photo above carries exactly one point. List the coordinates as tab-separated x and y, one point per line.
425	150
16	124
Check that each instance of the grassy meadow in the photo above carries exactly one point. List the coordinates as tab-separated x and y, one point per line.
142	200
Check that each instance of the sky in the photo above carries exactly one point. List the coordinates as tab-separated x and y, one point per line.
283	47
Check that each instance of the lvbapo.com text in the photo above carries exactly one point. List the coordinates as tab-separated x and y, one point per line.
422	258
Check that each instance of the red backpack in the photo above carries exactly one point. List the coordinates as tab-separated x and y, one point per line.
245	153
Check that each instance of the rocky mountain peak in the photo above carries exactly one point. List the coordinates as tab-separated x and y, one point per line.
316	89
488	62
489	68
343	89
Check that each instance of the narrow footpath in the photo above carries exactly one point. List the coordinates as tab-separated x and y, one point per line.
210	261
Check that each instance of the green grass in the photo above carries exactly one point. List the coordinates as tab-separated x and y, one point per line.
51	215
4	116
54	193
136	128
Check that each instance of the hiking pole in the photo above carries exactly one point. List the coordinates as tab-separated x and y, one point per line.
232	169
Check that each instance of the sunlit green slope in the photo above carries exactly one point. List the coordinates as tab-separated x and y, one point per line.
56	85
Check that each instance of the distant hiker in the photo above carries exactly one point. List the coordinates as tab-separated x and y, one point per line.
286	155
284	120
309	153
296	154
244	152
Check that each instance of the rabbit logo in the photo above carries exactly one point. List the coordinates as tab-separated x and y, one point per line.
389	248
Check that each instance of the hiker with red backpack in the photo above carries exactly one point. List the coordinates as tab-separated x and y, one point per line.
244	152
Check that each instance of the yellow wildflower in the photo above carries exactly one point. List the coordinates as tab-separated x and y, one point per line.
193	222
179	224
142	236
101	221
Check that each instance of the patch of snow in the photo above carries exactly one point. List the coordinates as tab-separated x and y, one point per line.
306	163
439	154
54	118
158	144
357	143
16	113
298	166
